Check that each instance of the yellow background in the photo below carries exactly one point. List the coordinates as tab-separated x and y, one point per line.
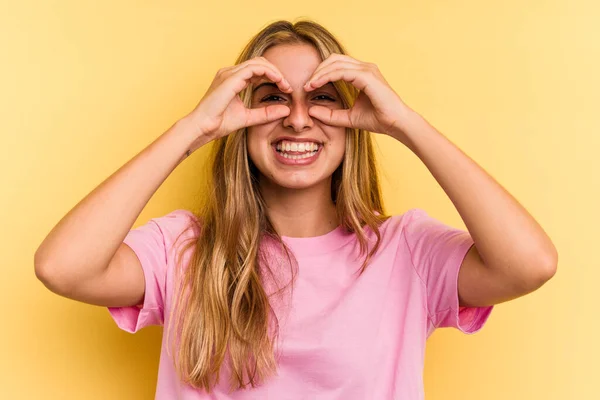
85	85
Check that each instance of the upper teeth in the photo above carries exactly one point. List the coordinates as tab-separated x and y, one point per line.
295	146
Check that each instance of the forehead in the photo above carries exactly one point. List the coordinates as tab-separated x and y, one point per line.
296	62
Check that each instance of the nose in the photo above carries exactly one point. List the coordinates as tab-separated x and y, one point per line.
298	119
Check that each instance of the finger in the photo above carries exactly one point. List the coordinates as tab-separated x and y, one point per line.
268	64
332	58
262	115
274	74
240	79
331	117
336	65
273	66
356	75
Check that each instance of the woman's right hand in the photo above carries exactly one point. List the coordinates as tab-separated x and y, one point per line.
221	111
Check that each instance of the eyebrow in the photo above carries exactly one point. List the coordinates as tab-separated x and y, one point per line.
274	85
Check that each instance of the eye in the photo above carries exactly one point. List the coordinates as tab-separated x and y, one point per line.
274	97
324	97
270	98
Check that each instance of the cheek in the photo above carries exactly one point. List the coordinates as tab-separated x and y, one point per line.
338	141
341	145
339	152
251	144
256	140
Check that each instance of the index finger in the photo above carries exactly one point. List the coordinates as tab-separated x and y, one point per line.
278	78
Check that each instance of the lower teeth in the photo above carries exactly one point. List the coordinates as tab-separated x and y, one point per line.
296	157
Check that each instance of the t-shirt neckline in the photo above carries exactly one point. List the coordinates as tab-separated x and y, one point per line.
330	241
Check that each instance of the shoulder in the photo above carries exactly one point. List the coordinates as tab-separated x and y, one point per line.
397	223
394	227
177	217
179	223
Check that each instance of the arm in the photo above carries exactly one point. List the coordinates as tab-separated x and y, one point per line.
73	260
512	255
84	257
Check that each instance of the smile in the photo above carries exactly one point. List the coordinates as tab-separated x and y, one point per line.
292	153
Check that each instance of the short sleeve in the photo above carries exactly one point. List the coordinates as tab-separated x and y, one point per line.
437	252
153	245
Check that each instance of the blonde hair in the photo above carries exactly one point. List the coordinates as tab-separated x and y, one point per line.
220	304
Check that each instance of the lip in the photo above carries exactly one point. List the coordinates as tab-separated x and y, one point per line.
296	139
289	161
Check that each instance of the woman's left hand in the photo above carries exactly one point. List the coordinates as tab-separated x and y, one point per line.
376	109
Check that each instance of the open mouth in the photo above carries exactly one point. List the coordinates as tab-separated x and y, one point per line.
296	152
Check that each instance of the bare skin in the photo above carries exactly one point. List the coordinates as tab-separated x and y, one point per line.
83	257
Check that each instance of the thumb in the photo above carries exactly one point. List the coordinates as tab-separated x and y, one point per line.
331	117
262	115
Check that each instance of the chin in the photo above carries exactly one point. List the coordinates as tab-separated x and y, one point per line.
293	180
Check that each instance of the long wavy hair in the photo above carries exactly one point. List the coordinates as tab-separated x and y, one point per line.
221	314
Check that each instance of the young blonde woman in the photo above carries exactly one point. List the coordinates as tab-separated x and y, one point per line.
290	281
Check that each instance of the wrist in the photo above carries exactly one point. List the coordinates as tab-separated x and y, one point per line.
405	121
189	135
414	131
197	128
192	126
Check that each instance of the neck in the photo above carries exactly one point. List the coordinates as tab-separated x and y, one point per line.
305	212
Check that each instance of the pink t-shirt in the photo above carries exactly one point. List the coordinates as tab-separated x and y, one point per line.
345	336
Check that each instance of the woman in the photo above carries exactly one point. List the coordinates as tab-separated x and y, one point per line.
291	282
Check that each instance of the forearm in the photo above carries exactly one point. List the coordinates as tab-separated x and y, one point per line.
505	234
84	241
